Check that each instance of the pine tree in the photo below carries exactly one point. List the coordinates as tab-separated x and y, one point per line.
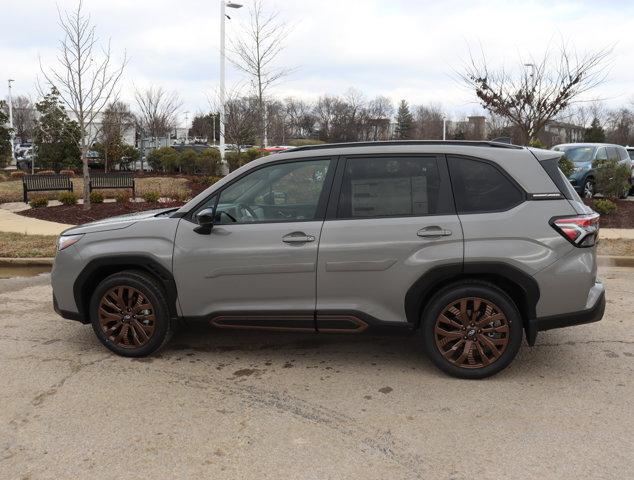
56	135
404	120
5	136
595	133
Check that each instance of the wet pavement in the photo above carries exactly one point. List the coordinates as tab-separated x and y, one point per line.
225	405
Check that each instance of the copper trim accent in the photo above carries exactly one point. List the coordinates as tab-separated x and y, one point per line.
471	332
361	325
217	322
127	318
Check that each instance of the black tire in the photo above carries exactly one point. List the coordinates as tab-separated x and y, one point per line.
150	291
489	294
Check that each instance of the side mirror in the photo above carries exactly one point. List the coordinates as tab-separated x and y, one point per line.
205	220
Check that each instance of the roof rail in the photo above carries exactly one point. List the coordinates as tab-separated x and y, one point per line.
467	143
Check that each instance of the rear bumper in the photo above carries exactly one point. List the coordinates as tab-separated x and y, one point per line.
589	315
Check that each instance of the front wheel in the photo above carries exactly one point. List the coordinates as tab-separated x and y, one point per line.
129	314
471	330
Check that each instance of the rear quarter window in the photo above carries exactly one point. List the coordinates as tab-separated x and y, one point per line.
481	187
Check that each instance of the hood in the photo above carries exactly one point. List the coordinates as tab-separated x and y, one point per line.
116	223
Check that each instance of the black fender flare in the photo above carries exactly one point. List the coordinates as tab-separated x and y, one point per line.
522	284
99	268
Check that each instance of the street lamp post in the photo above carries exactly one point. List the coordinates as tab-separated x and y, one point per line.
444	128
187	126
223	4
11	122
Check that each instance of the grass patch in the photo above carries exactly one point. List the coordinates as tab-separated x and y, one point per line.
18	245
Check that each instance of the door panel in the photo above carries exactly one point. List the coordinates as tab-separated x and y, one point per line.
246	267
393	221
368	265
257	265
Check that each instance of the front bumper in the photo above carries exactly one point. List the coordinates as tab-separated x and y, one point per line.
67	314
594	313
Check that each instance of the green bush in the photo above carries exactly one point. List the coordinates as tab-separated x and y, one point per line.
122	197
208	162
207	180
187	160
67	198
37	202
151	196
604	206
611	178
236	160
164	158
566	166
537	144
96	197
301	142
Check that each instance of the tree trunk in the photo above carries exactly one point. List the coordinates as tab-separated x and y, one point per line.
86	175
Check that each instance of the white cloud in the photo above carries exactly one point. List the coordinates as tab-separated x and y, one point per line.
400	48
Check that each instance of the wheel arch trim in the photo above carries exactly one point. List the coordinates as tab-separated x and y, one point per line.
502	274
99	268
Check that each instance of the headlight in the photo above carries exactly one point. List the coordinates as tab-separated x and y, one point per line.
65	241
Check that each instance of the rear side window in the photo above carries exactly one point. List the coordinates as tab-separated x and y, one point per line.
392	186
623	153
480	187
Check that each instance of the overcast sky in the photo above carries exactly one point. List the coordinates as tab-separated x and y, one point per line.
399	48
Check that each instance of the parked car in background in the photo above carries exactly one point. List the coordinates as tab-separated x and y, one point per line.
630	151
472	245
584	156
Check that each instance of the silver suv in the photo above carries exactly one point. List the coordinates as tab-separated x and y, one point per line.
471	244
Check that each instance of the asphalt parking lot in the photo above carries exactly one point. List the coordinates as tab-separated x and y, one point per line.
225	405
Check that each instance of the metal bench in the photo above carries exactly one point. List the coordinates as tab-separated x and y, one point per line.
45	183
111	180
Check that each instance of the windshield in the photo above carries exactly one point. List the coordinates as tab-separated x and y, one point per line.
578	154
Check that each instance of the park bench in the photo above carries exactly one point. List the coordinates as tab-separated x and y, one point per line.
111	180
45	183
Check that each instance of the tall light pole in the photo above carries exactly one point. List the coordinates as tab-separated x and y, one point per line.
187	126
10	81
223	163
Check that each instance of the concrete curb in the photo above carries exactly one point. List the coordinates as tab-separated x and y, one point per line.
26	262
602	260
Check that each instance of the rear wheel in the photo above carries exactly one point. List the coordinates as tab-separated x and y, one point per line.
129	314
472	330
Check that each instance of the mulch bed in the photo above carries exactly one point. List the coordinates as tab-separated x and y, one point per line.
76	215
622	218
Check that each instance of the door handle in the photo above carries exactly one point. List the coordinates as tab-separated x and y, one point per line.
432	232
298	237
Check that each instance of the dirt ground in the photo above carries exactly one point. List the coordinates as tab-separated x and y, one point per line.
238	405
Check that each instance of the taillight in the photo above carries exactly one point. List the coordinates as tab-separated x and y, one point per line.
581	231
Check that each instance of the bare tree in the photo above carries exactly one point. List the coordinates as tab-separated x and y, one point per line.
23	117
85	78
428	122
538	94
157	112
255	52
116	121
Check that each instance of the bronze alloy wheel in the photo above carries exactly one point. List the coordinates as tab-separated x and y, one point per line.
126	316
471	332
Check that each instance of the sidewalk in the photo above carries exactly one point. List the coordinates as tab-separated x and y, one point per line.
11	222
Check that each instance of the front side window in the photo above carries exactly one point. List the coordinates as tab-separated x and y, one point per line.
390	186
480	187
275	193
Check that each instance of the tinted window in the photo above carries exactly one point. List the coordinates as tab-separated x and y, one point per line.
481	187
276	193
602	154
613	154
631	152
390	186
622	153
